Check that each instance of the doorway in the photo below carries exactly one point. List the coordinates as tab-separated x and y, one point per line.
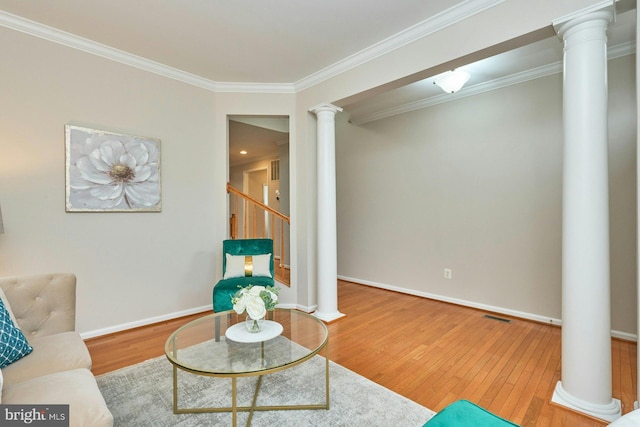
256	185
259	168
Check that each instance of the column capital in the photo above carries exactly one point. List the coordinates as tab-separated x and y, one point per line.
604	11
325	106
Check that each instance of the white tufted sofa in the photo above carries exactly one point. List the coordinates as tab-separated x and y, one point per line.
58	369
630	419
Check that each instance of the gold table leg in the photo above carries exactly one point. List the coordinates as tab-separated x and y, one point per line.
234	394
175	389
326	372
234	403
255	399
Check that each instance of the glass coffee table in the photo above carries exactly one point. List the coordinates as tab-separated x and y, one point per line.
219	345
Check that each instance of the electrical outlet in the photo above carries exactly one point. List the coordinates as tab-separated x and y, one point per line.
448	273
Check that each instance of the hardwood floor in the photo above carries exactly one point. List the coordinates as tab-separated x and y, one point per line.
431	352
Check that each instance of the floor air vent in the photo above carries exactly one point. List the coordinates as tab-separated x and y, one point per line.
499	319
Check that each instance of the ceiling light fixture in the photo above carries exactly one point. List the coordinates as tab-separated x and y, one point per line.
243	152
452	81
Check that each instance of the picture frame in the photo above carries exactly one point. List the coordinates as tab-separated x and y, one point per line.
111	172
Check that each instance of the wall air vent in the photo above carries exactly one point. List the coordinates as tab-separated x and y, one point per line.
275	170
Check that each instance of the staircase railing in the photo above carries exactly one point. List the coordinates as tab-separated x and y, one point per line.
250	218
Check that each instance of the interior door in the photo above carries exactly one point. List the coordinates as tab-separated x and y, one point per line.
256	181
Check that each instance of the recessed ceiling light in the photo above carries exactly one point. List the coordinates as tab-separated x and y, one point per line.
243	152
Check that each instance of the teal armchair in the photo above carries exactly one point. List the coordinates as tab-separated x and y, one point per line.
260	271
463	413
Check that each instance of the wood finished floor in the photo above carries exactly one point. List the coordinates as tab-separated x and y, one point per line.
430	352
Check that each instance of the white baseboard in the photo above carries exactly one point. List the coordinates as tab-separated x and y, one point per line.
278	257
624	335
144	322
306	309
310	309
171	316
519	314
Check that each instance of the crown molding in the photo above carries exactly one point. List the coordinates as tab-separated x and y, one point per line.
411	34
64	38
255	87
614	52
620	50
437	22
444	19
73	41
476	89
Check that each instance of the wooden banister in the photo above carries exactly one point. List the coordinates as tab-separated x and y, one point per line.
249	204
231	189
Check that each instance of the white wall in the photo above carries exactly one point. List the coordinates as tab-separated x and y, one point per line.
504	26
136	267
130	266
475	185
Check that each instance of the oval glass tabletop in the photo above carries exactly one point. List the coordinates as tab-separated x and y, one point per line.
203	346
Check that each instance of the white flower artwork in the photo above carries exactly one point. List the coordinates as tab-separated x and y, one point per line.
109	172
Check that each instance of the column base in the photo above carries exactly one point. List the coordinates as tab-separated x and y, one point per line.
609	412
328	317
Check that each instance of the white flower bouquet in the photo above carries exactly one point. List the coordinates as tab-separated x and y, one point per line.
256	300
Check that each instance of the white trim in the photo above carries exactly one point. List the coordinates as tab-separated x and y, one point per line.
145	322
313	308
422	29
255	87
73	41
325	106
305	308
620	50
556	23
328	317
607	412
535	73
501	310
614	52
444	19
89	46
174	315
287	266
624	335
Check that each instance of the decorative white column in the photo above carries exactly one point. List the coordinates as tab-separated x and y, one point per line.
636	404
327	231
586	382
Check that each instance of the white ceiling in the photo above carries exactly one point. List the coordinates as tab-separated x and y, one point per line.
261	41
535	60
285	41
258	136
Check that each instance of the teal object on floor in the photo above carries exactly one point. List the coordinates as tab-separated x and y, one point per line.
463	413
226	288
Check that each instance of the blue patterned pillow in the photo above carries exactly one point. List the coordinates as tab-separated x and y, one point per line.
13	344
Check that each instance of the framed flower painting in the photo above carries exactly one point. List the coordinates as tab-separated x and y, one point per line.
110	172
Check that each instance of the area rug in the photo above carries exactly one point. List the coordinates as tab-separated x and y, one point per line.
142	395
